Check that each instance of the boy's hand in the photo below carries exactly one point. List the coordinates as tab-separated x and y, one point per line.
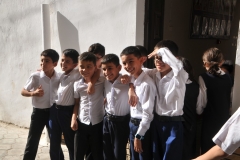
74	124
125	79
38	92
90	89
153	54
133	98
138	145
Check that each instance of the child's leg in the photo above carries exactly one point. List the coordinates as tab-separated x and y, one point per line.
121	132
157	143
173	138
107	140
133	131
81	141
146	146
96	141
65	117
39	119
55	134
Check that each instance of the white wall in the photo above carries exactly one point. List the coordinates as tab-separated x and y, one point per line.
111	23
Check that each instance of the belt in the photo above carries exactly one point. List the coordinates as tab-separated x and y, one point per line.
168	118
135	121
111	117
42	109
63	107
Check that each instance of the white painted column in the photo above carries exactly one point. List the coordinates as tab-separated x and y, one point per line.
46	41
236	88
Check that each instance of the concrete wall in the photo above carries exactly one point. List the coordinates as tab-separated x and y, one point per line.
74	24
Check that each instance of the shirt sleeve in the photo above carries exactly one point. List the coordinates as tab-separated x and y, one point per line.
32	83
171	60
228	138
150	72
75	88
177	85
147	106
202	97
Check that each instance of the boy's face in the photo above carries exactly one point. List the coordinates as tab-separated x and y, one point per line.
162	67
98	60
86	68
47	64
111	71
67	64
132	64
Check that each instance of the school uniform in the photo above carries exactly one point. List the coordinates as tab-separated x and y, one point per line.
167	127
142	115
228	138
115	123
190	119
61	116
90	117
41	109
214	102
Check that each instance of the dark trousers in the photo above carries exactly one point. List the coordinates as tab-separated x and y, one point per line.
167	139
115	137
146	143
60	122
39	119
88	136
189	147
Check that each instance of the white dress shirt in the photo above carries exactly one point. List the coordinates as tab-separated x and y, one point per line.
49	86
146	92
170	88
117	98
91	109
202	97
65	90
228	138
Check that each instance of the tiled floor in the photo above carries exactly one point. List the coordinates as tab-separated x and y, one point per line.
13	140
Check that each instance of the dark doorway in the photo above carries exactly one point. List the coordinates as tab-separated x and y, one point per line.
153	26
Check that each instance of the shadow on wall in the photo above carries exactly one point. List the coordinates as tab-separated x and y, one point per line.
68	33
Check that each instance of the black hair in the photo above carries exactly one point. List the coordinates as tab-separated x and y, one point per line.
51	53
131	50
87	56
143	50
213	57
188	68
228	65
110	58
172	46
72	53
97	48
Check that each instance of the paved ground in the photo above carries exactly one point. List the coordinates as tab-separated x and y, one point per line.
13	140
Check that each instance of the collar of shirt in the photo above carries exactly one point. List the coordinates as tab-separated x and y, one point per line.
168	75
42	74
221	71
188	81
138	81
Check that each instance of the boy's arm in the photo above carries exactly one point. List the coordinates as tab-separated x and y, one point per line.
147	101
74	124
214	153
38	92
133	98
94	79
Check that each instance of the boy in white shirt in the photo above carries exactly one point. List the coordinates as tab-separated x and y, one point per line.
170	79
42	87
115	123
142	113
88	110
